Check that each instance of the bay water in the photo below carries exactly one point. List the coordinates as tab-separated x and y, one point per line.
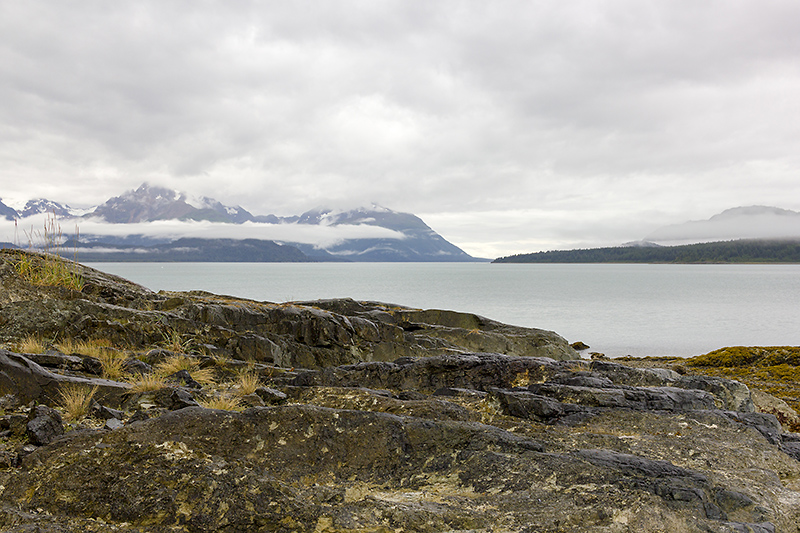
618	310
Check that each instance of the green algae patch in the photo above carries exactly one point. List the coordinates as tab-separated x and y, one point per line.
738	356
772	369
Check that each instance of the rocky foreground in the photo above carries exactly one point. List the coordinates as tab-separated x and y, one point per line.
366	417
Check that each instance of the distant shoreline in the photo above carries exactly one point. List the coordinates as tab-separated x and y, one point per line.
745	251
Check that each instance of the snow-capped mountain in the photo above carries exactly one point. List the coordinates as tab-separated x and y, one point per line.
149	203
372	233
42	205
751	222
419	242
39	206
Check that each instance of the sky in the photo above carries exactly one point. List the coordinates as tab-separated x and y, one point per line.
508	127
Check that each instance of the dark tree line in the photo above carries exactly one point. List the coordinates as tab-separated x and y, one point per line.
741	251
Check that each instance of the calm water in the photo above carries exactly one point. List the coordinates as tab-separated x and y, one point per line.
617	309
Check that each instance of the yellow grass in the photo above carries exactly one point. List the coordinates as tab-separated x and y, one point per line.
113	365
31	344
176	363
204	376
225	403
49	268
173	341
92	348
75	400
148	382
112	360
247	383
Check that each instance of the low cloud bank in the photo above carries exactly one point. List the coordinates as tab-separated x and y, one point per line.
33	229
767	225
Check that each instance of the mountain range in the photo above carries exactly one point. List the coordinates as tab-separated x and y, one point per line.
154	223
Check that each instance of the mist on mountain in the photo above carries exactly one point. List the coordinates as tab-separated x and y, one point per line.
751	222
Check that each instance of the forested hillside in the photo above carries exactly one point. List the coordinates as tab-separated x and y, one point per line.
740	251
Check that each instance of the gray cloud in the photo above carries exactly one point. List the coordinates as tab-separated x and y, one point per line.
588	120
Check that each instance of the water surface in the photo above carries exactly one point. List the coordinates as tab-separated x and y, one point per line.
617	309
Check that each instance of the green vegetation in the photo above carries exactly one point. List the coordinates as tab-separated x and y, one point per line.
772	369
49	270
740	251
738	356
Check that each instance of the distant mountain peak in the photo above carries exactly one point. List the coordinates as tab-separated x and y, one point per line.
42	205
748	222
148	203
753	210
7	212
640	244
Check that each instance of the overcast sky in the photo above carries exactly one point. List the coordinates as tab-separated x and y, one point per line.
507	126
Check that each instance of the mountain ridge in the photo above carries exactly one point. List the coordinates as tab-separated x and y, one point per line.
407	238
743	222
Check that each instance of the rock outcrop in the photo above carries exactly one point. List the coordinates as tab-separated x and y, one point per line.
302	334
491	443
450	436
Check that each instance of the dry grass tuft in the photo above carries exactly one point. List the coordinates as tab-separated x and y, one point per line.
247	383
49	268
113	365
75	400
224	403
112	360
204	376
92	348
176	363
221	360
31	344
148	382
173	341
